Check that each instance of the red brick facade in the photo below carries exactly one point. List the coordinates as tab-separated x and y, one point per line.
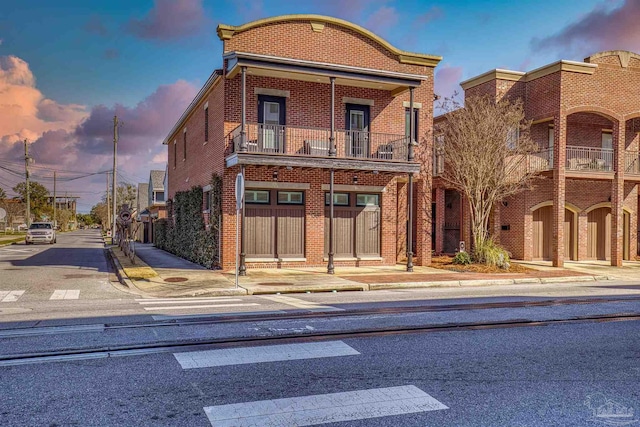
314	42
590	113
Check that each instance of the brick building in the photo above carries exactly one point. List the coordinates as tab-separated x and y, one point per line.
586	121
305	106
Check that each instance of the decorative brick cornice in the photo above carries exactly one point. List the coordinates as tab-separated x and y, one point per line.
226	32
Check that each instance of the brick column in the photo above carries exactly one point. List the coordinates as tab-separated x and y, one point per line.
495	225
617	194
465	226
439	219
559	159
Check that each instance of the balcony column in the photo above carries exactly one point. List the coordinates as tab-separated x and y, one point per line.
332	134
243	122
412	126
330	268
410	222
559	162
617	195
439	219
242	269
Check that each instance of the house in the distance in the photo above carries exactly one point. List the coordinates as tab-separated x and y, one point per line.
156	203
322	117
586	121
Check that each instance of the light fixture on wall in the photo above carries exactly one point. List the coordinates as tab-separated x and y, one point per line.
355	179
275	175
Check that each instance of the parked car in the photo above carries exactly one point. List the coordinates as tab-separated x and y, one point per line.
41	232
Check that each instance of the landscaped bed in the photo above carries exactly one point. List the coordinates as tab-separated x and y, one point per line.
445	262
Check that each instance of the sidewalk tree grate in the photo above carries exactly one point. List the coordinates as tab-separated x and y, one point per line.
175	279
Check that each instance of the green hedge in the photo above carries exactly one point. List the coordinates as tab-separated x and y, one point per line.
183	233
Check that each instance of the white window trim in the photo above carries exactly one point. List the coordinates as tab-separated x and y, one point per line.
206	105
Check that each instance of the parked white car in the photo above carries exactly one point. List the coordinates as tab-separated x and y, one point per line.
41	232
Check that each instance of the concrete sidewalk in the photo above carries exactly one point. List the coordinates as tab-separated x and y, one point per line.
157	273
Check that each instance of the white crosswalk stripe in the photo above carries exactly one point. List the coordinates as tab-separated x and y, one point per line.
298	303
10	296
271	353
60	294
154	304
324	408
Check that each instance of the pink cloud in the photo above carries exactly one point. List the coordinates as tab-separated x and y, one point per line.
601	29
447	81
66	137
382	20
170	20
24	111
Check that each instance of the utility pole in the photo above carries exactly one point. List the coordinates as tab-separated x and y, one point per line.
115	163
55	223
28	189
108	201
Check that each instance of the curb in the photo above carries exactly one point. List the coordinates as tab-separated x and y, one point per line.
486	282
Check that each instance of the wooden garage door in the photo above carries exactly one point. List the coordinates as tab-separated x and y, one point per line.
543	233
356	226
599	234
274	224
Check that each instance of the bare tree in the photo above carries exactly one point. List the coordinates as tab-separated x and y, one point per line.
487	156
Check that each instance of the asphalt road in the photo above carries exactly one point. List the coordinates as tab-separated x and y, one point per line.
559	375
140	361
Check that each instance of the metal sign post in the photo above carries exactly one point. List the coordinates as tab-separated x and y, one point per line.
239	200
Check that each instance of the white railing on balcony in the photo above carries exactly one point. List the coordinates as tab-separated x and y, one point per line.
310	141
589	159
540	161
632	162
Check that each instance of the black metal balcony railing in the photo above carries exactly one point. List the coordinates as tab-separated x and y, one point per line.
310	141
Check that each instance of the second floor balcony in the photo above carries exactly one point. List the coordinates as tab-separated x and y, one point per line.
579	160
316	142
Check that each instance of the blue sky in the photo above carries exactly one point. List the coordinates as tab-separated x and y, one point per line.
90	59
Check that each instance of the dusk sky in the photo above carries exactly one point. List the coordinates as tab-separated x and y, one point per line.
66	67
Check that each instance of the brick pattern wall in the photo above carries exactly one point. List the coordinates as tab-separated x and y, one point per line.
335	45
203	159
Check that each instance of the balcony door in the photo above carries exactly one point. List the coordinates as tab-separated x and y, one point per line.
271	121
357	130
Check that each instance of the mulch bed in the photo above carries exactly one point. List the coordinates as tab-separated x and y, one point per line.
461	272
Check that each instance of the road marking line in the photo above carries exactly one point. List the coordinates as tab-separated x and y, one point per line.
10	296
272	353
60	294
188	307
195	300
298	303
214	315
324	408
183	299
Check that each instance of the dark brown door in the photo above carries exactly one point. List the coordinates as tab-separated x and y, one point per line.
569	235
599	234
542	233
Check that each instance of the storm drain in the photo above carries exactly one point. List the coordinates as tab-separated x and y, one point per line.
175	279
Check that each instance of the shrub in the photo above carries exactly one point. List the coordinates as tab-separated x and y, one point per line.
184	233
462	258
490	253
